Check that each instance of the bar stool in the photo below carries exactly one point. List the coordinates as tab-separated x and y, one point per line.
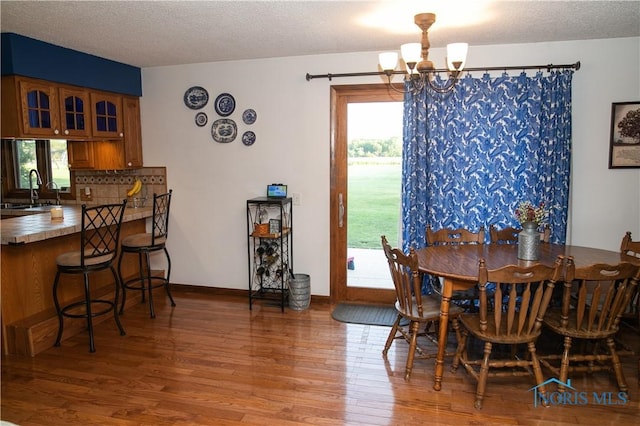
144	244
98	247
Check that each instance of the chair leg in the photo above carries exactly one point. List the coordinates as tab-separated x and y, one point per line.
124	290
167	282
87	300
617	367
412	349
456	328
141	275
564	363
537	372
56	302
392	335
462	343
115	301
482	378
149	284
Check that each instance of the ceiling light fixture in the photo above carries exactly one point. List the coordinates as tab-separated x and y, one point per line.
420	70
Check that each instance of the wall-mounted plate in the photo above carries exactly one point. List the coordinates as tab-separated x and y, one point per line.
249	116
225	105
201	119
248	138
224	130
196	97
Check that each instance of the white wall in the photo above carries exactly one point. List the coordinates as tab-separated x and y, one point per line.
212	181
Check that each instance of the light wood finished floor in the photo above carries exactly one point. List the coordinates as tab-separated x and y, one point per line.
212	361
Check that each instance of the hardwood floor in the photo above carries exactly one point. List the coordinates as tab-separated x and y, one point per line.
212	361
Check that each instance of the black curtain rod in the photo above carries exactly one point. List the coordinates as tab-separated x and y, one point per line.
547	67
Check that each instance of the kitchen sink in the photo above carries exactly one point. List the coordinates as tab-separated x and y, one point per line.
17	206
14	206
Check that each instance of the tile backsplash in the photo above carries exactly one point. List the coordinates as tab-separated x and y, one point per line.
108	186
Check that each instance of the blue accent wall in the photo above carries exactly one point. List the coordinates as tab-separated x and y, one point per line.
29	57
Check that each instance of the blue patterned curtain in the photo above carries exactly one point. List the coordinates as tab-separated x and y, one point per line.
471	156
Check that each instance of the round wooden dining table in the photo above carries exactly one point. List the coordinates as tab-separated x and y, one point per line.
458	266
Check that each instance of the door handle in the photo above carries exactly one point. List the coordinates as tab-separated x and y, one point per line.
340	211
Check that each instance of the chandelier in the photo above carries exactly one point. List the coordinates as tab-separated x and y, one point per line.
420	71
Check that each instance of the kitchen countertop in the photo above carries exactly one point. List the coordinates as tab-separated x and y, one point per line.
35	224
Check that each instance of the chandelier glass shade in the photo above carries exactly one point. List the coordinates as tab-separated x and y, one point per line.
420	71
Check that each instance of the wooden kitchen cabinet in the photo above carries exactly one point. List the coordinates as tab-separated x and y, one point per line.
29	108
106	111
34	108
75	109
132	132
80	155
112	154
102	128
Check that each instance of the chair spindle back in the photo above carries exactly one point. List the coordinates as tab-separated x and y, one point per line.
520	299
454	236
602	292
407	280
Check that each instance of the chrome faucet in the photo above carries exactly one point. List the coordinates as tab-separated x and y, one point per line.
53	185
33	194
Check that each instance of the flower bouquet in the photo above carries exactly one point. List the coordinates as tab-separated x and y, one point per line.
530	217
528	212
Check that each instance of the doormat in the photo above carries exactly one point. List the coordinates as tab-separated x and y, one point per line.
365	314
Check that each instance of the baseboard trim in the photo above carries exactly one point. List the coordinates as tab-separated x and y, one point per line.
189	288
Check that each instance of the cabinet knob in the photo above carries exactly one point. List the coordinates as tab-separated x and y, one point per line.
129	164
56	132
66	132
121	134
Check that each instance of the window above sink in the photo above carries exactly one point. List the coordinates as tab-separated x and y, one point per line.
48	156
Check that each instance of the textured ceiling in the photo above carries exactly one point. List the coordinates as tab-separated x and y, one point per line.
154	33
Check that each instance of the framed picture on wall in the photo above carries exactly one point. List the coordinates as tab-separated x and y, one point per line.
624	150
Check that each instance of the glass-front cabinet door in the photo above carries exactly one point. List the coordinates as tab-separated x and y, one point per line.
39	109
74	109
107	115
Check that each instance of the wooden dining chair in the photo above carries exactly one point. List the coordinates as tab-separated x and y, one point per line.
513	316
412	306
632	248
593	300
509	235
445	236
631	314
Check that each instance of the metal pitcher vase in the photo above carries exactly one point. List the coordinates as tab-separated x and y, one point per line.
529	242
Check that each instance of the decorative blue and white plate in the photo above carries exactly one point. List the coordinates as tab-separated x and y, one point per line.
249	116
225	105
224	130
248	138
196	97
201	119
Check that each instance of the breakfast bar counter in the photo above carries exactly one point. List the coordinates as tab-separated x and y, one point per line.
30	244
36	224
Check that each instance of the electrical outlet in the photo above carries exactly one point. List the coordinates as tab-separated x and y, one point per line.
86	194
296	199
